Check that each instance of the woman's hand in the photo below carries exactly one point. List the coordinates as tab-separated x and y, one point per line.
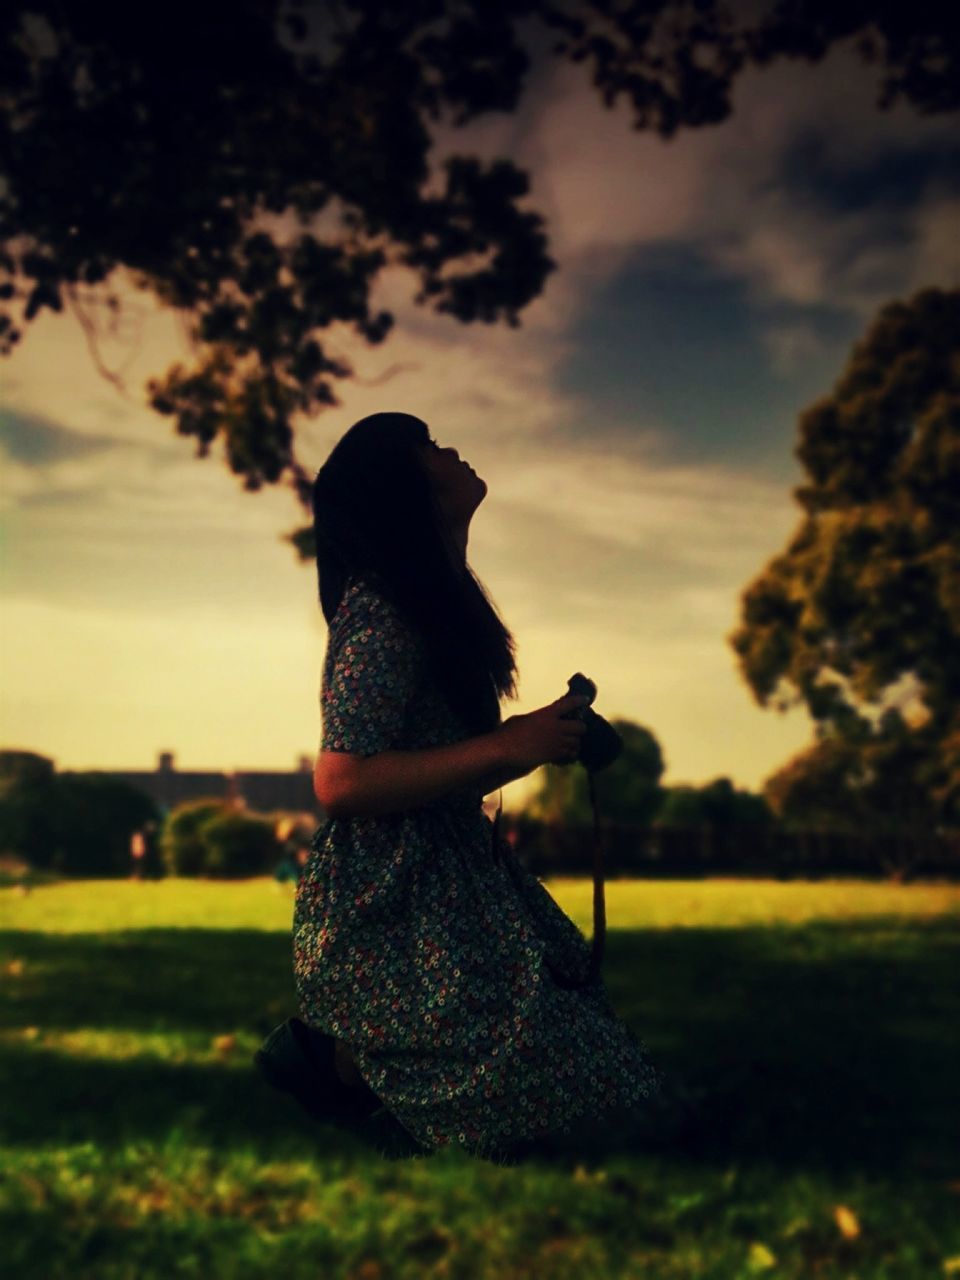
543	737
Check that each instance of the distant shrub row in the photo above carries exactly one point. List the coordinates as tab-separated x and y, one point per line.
83	825
208	838
660	850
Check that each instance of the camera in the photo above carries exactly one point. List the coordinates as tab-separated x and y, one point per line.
601	744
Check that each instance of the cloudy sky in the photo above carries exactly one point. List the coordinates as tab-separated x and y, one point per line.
636	436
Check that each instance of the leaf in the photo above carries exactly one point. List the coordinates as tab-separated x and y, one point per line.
847	1221
760	1257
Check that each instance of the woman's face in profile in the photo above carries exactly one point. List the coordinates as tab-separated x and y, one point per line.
458	488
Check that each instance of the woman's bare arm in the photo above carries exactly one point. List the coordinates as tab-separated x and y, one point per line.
349	785
352	785
500	777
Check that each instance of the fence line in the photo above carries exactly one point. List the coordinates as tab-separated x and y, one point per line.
633	850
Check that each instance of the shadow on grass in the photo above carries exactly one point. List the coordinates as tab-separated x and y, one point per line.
824	1046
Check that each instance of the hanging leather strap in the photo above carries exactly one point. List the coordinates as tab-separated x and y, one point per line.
599	902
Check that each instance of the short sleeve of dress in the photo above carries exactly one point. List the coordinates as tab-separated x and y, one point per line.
370	676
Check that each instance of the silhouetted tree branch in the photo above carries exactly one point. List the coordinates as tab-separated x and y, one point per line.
164	139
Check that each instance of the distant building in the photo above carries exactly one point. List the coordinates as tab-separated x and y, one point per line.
258	790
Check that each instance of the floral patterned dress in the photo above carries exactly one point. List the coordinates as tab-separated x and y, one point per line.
425	946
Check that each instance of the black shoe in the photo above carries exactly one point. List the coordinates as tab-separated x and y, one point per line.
320	1051
299	1060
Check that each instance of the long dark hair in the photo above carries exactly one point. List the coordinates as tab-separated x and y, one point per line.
375	516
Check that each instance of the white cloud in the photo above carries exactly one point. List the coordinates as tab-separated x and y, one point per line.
936	245
703	514
609	190
791	346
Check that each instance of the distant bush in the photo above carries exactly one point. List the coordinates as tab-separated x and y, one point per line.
72	823
238	844
29	829
208	837
182	846
97	814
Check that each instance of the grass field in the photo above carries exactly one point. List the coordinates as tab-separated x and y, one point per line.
137	1140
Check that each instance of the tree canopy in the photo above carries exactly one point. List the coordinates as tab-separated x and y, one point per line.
859	618
162	140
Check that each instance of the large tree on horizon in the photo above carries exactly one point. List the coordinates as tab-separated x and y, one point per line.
160	140
858	618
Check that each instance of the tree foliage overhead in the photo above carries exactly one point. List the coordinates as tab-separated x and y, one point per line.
861	613
162	139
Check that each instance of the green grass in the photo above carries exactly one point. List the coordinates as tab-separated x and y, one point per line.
824	1016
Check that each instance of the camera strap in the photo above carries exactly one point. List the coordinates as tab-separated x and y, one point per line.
599	902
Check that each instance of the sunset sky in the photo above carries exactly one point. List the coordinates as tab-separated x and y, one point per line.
636	435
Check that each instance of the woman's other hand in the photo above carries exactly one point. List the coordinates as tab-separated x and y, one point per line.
543	736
